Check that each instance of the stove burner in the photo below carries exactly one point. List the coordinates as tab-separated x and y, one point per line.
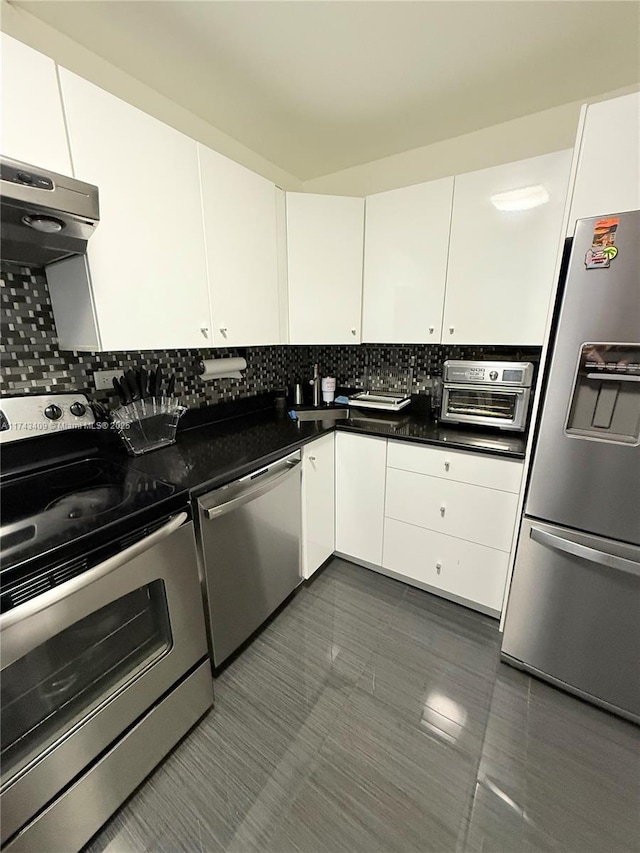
88	502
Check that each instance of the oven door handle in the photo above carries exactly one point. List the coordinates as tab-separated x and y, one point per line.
485	386
70	587
614	377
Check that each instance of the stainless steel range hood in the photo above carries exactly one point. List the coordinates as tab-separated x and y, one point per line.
44	217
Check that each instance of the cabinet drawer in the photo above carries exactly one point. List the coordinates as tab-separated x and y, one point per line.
474	468
473	572
484	516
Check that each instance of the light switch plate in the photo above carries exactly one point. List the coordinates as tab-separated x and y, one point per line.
103	379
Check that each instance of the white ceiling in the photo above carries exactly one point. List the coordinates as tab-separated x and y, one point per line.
316	87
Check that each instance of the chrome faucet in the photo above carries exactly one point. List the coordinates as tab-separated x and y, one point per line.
316	382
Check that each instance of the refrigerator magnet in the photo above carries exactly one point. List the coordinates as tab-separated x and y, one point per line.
603	244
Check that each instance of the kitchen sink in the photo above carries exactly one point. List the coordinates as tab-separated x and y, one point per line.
322	414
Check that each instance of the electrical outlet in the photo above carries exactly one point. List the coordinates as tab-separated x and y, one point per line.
103	379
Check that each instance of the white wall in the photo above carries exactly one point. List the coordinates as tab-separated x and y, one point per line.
20	24
538	133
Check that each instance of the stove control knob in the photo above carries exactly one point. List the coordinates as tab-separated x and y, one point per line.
77	409
493	375
53	412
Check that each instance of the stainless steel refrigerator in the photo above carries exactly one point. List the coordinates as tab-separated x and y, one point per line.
573	615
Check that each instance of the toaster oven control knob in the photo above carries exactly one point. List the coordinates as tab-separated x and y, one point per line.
53	412
77	409
493	375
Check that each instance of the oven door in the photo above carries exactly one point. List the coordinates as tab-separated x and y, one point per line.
505	408
83	661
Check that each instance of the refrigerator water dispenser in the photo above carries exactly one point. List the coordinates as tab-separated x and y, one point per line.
605	403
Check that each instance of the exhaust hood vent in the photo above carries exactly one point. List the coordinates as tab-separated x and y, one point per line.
44	217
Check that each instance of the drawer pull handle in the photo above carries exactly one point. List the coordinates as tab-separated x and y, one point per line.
442	510
431	329
447	465
312	459
438	568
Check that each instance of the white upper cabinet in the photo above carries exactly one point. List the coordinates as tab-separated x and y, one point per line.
405	263
608	174
501	261
324	251
32	119
147	258
242	254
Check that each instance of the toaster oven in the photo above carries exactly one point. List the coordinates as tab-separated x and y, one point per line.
487	393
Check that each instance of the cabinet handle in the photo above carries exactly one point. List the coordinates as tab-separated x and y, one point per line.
443	509
354	331
447	465
451	329
205	331
312	459
223	332
438	568
431	329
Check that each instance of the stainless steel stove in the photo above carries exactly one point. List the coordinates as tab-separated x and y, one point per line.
102	641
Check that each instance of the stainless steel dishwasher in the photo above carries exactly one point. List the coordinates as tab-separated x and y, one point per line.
249	541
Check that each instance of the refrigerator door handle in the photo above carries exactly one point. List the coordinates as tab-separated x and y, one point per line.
612	561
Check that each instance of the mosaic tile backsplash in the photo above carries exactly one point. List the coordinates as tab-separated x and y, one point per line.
33	363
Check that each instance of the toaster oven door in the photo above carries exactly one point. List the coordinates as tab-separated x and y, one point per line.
505	408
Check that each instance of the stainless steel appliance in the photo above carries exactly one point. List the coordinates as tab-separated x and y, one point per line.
487	393
44	216
249	538
573	611
102	639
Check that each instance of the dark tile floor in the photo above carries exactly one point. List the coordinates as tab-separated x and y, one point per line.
371	716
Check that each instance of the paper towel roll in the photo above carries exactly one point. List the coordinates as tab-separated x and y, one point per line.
222	368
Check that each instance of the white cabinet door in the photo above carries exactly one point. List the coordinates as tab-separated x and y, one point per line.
463	569
32	121
318	503
360	480
146	259
406	242
501	262
608	174
324	251
242	254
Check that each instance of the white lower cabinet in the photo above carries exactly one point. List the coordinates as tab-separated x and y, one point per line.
318	503
360	484
463	569
483	516
449	521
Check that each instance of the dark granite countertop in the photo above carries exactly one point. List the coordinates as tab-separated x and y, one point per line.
208	455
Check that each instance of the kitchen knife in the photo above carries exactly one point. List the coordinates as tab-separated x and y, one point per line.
122	390
171	385
158	390
132	382
152	383
143	382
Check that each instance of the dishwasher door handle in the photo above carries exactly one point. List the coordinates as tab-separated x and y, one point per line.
268	481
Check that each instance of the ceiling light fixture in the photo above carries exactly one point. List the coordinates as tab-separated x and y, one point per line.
524	198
